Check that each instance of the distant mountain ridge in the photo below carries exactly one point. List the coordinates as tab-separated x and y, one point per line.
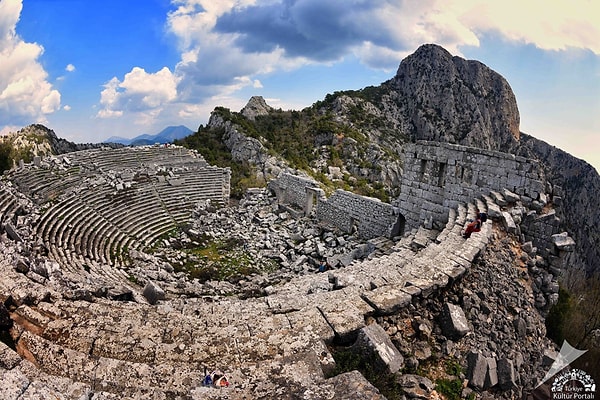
167	135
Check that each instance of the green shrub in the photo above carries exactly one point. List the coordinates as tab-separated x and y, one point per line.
450	388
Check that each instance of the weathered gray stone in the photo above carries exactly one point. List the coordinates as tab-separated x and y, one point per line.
22	266
415	386
498	198
491	377
477	369
119	293
506	374
510	196
345	319
455	324
353	386
12	233
563	242
493	209
509	223
8	357
374	342
387	299
153	293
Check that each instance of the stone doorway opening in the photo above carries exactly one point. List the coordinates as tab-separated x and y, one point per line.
398	228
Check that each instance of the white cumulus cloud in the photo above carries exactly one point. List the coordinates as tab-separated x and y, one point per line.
230	45
549	25
139	91
70	68
225	41
25	94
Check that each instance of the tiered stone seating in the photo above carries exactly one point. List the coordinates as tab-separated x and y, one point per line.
383	285
91	224
42	184
200	184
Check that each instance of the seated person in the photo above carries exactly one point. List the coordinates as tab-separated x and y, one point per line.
474	226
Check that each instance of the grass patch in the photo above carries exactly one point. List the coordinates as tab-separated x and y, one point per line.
450	388
222	260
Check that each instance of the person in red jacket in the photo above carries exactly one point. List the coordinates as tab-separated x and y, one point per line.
474	226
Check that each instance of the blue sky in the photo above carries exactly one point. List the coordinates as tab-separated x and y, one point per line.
94	69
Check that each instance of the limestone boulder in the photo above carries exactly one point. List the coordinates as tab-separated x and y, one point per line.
454	322
153	293
375	343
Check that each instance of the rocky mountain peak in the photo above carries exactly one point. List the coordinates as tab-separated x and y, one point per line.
256	106
447	98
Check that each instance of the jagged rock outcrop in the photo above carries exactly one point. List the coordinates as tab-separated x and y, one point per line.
248	149
256	106
450	99
38	140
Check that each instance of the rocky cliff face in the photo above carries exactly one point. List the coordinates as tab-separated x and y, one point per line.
449	99
256	106
580	190
438	97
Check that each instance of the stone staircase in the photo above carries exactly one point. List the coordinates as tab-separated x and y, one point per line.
270	347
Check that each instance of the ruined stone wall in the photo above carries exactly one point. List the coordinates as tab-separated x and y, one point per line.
439	176
344	210
371	216
291	190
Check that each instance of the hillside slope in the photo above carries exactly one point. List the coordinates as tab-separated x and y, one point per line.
37	140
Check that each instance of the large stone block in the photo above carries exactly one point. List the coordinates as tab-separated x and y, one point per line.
387	299
352	386
477	370
491	377
506	374
563	242
345	319
509	223
375	343
153	293
454	322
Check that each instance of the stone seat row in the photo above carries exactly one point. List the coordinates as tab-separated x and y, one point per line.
73	225
97	226
155	348
134	158
8	204
166	346
44	184
388	283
